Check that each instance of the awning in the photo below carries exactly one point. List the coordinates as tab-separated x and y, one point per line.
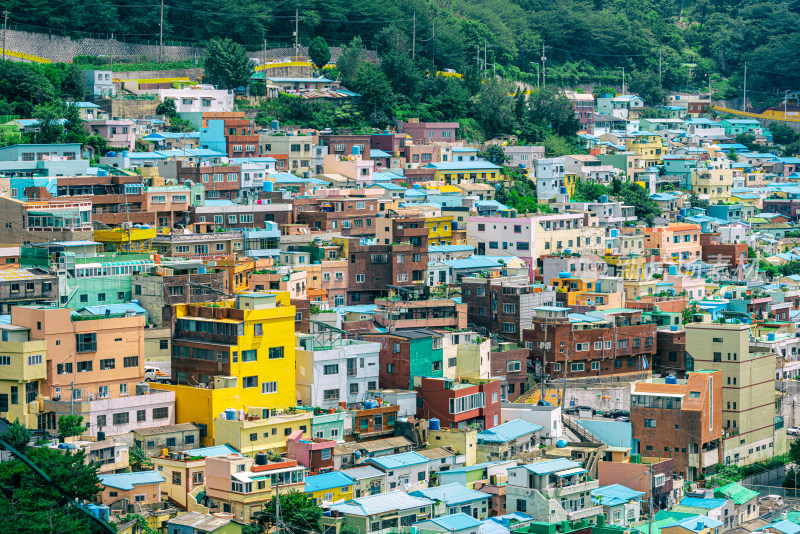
570	472
68	212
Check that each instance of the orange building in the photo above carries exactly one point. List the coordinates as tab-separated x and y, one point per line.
676	241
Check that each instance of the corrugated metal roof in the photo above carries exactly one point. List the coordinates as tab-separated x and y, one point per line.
378	504
403	459
454	522
551	466
216	450
508	431
360	473
451	494
334	479
614	495
127	481
788	527
735	492
698	502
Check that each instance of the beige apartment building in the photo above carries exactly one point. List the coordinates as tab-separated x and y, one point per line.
748	389
298	147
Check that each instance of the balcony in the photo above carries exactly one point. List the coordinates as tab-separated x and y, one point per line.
710	458
576	488
583	513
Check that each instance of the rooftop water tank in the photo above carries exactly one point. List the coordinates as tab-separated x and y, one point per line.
563	190
771	336
262	458
356	150
673	327
670	380
230	414
111	154
275	125
562	443
370	404
604	199
433	424
135	301
564	274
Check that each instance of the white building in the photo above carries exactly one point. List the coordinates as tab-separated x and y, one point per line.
407	471
549	177
549	417
621	505
555	489
199	98
342	371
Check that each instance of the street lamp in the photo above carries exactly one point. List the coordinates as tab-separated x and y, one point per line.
537	73
623	80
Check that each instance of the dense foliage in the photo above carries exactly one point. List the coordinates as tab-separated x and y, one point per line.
586	40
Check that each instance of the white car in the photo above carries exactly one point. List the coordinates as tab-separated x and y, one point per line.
773	501
793	431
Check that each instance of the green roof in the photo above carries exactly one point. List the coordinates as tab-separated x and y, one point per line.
690	510
737	493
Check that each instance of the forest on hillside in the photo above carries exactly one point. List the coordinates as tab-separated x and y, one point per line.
586	41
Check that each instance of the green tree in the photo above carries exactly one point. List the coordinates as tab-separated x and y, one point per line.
783	134
167	108
319	51
588	191
71	425
698	202
17	436
34	507
794	452
298	511
227	64
177	125
50	117
550	107
98	144
350	60
494	109
74	132
376	94
494	154
402	73
634	195
688	312
138	459
645	84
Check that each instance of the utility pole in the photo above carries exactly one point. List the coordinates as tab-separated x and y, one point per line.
744	99
477	56
484	57
414	38
564	388
623	80
544	359
277	504
72	398
660	84
5	30
161	35
296	34
544	59
650	501
111	54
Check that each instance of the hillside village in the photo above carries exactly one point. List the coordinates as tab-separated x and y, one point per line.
238	327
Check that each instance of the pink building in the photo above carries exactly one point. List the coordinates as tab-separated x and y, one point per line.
425	133
120	133
583	105
316	454
676	241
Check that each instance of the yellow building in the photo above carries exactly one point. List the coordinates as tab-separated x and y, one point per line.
570	180
125	239
440	230
714	184
261	429
335	486
182	475
457	172
461	441
232	354
647	145
23	364
573	286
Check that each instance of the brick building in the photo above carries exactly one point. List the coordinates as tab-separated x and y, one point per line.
602	343
670	358
503	305
715	251
405	354
219	181
348	216
680	419
509	364
425	133
397	257
459	404
342	145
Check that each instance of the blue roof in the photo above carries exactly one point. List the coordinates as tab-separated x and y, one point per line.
698	502
662	196
760	155
454	522
508	431
790	160
470	468
451	494
696	523
127	481
785	526
472	263
193	153
170	135
374	153
216	450
613	433
614	495
82	105
321	79
334	479
395	461
551	466
388	185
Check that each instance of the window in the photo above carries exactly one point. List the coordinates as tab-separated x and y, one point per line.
331	394
467	403
595	366
275	353
132	361
514	366
61	368
35	359
160	413
120	418
650	423
269	387
86	343
249	356
576	367
331	369
84	367
249	382
509	308
141	415
108	363
197	478
360	278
